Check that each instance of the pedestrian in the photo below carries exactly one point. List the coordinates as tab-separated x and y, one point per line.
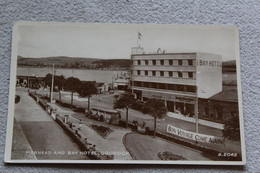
70	124
80	124
143	124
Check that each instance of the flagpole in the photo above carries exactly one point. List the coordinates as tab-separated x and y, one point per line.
137	40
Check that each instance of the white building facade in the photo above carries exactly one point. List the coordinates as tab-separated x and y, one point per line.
177	78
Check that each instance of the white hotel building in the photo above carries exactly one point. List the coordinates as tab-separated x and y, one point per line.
177	78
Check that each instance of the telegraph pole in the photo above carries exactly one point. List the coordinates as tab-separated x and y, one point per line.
52	83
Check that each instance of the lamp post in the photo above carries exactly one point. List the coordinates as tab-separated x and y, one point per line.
196	113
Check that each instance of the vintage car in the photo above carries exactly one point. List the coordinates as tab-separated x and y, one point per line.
106	115
17	98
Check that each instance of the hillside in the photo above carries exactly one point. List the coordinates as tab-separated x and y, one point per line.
229	66
74	62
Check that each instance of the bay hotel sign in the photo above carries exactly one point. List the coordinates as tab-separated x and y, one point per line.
209	63
194	136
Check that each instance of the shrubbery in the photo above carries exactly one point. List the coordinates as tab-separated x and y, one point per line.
101	130
170	156
231	128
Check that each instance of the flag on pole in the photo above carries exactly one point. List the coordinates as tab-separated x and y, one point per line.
139	35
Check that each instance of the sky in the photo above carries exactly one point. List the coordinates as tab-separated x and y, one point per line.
114	41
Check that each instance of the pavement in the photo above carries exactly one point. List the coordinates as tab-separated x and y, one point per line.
37	135
21	149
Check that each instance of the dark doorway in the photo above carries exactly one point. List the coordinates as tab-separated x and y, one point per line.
170	106
180	107
189	110
138	94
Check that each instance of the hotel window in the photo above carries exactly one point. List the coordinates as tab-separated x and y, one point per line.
138	72
162	86
139	62
170	73
179	74
138	84
170	87
190	74
161	73
154	73
154	62
146	84
170	62
146	62
179	62
191	89
154	85
162	62
190	62
180	88
146	73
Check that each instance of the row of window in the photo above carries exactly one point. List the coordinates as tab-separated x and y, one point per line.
165	74
173	87
170	62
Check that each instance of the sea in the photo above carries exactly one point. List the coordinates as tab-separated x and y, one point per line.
100	76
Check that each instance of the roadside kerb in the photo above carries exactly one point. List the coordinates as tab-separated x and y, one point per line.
124	142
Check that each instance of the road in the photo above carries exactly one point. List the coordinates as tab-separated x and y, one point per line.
144	147
107	100
41	133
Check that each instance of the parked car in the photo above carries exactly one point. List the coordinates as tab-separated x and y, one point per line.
17	98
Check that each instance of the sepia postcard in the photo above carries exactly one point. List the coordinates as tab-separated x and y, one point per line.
125	93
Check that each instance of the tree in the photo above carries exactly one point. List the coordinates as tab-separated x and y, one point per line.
47	82
231	128
59	82
87	89
156	108
72	85
125	101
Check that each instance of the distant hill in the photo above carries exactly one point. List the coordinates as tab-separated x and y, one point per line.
229	66
59	60
229	63
125	63
74	62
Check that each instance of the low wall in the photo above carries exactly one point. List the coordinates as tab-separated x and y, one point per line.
83	145
202	122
